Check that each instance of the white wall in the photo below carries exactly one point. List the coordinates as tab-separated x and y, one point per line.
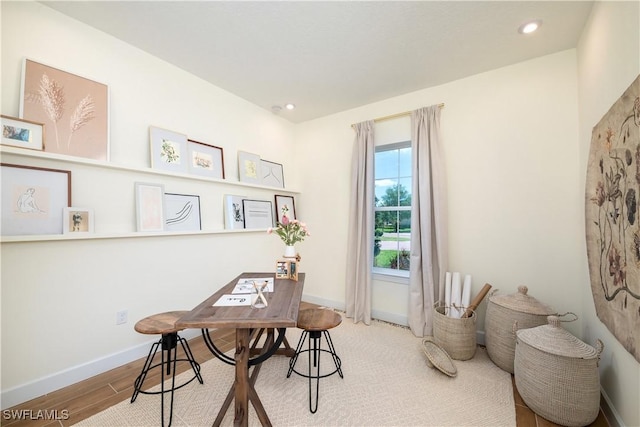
59	298
510	142
608	61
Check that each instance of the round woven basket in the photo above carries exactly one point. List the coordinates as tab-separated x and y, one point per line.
503	311
557	375
456	336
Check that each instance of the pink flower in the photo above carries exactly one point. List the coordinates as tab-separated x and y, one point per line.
269	230
285	220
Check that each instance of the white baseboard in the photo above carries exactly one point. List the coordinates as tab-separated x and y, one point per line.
609	411
53	382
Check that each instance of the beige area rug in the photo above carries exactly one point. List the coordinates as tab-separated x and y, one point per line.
386	383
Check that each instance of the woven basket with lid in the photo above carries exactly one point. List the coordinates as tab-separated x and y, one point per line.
503	311
557	375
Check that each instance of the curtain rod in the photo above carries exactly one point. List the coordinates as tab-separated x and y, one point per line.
395	116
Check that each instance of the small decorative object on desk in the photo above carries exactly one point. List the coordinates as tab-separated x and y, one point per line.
291	231
258	299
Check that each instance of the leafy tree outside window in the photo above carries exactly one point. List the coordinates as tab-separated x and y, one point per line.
392	229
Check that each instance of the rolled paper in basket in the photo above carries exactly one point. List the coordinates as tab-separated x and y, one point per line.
466	291
456	296
477	300
447	293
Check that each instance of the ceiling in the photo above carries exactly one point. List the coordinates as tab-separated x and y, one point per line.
327	57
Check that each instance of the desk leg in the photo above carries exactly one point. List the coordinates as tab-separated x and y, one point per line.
241	384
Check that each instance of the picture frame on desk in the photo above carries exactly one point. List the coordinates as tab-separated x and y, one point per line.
33	199
168	150
182	212
287	269
257	213
77	220
74	109
150	214
272	174
22	133
205	159
249	167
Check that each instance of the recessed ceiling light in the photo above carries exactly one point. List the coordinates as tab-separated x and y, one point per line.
289	106
529	27
276	109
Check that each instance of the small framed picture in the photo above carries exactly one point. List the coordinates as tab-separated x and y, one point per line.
249	167
33	199
293	270
22	133
282	269
205	160
149	207
168	150
285	204
233	212
182	212
271	173
77	220
257	213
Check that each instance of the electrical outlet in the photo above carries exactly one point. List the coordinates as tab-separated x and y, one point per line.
121	317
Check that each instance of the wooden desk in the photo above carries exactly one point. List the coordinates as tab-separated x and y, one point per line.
282	312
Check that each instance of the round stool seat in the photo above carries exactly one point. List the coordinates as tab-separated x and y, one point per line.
161	323
318	319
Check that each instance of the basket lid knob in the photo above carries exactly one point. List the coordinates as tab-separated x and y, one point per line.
523	289
554	321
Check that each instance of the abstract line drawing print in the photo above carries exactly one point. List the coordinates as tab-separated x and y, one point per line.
31	201
181	215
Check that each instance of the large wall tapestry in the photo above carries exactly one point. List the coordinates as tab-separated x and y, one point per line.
612	218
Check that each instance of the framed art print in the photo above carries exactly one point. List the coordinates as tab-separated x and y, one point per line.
168	150
22	133
205	160
182	212
149	207
233	212
77	220
249	167
271	173
74	109
285	204
257	214
33	199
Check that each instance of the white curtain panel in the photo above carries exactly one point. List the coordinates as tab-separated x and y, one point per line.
360	244
429	242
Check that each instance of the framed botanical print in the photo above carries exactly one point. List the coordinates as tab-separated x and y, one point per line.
22	133
249	167
233	212
285	204
33	199
74	109
168	150
205	160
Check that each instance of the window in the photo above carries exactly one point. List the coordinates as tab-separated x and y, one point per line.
392	233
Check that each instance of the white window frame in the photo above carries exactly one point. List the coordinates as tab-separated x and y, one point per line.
388	274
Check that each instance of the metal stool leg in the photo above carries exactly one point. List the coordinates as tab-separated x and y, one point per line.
294	359
315	355
334	355
194	365
169	342
137	385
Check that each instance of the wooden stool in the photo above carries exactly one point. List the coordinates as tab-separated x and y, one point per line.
315	323
164	324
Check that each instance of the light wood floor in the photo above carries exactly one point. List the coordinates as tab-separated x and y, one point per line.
95	394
